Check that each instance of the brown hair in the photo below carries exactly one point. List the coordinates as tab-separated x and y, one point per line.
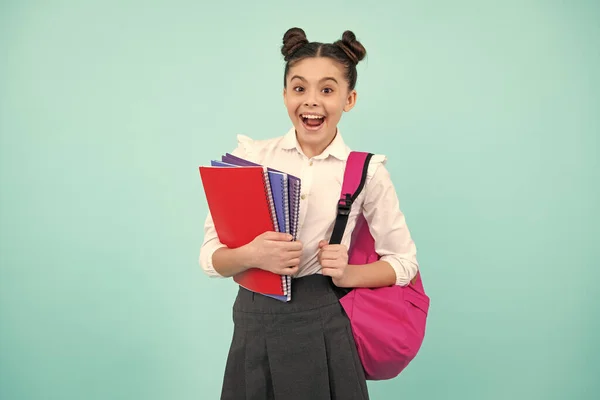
348	51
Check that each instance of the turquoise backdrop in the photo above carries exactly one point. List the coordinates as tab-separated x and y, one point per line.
488	111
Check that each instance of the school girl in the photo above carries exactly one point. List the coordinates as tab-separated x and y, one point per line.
304	349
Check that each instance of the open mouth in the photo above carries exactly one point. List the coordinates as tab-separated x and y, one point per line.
312	121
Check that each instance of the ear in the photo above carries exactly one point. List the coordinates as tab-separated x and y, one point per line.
350	101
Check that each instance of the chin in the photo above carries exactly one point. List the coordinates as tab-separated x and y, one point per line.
312	136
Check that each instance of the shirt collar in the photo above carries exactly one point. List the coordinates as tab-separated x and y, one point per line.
337	148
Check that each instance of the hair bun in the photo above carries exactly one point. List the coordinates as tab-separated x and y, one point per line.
293	40
352	47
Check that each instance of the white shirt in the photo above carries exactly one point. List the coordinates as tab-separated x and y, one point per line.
321	183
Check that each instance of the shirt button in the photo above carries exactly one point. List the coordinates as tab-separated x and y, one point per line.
303	197
310	163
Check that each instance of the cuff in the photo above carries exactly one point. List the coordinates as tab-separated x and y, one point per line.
206	262
404	269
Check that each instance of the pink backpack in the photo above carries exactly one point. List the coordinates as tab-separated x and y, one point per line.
388	323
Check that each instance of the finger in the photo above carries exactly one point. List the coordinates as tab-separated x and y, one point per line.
322	243
292	262
289	271
290	246
295	245
333	264
335	247
277	236
330	255
328	248
294	254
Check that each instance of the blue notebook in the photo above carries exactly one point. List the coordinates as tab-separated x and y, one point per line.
279	187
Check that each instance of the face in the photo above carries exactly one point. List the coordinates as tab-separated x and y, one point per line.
315	96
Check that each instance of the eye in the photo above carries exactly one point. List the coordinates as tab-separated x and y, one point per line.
328	90
298	89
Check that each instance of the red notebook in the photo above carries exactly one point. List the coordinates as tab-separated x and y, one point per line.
238	200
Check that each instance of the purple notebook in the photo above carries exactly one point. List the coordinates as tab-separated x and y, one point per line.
279	188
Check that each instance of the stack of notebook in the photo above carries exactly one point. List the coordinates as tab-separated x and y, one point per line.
245	200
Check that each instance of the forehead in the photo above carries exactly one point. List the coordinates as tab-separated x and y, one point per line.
314	69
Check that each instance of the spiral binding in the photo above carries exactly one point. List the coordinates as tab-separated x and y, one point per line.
288	285
292	224
287	280
286	206
295	213
270	200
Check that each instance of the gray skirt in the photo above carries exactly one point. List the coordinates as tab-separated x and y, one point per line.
300	350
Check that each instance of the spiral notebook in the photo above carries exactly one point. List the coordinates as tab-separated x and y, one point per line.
242	207
274	200
283	199
279	189
292	205
294	189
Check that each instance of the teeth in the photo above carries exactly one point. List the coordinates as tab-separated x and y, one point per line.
313	116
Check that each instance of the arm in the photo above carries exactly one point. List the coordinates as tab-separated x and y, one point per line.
229	262
398	263
212	245
216	259
377	274
271	251
393	241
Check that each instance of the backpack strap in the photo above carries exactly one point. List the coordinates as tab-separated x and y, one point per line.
355	177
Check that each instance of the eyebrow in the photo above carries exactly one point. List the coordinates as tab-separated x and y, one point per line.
327	78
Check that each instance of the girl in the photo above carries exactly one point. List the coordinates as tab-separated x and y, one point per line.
304	349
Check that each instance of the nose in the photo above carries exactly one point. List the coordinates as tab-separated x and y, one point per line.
311	99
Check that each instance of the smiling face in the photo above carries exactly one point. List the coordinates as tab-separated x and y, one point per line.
316	95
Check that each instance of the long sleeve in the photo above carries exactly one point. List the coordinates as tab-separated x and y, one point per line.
211	241
387	223
209	246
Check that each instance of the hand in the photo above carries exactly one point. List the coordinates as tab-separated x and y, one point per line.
275	252
334	260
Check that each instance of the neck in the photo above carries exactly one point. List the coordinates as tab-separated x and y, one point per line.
312	150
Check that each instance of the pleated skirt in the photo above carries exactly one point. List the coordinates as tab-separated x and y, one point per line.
300	350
